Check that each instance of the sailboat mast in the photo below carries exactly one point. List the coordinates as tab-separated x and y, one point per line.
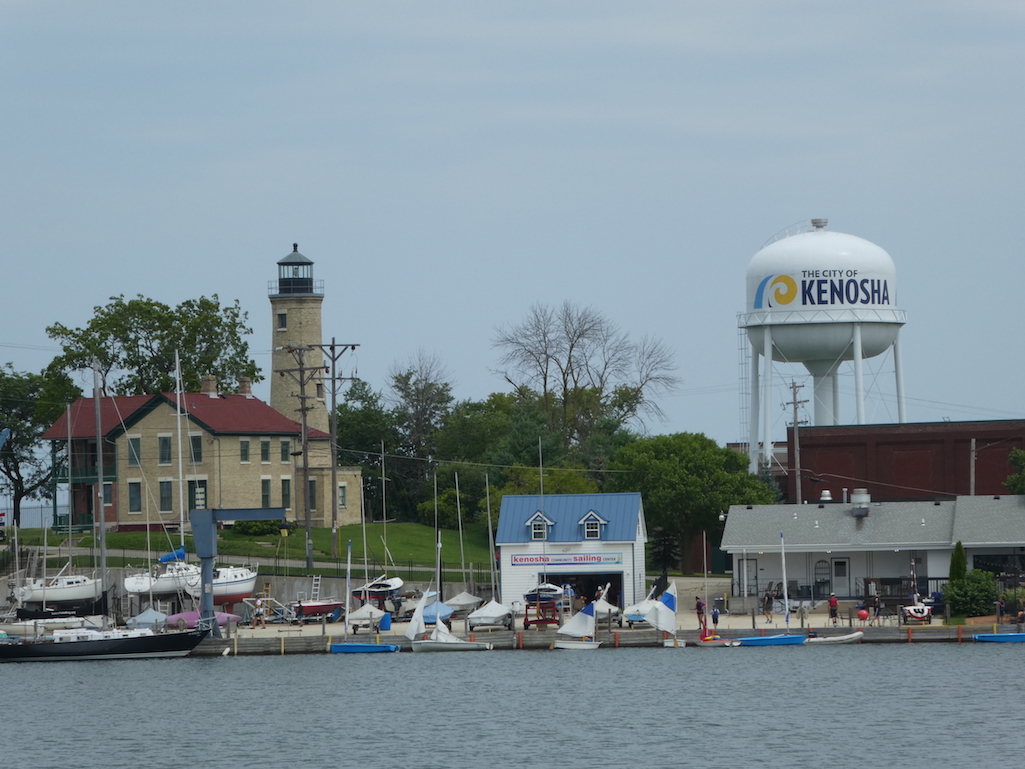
181	467
786	598
99	485
348	592
459	519
491	538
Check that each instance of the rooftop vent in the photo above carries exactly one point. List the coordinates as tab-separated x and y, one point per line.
827	496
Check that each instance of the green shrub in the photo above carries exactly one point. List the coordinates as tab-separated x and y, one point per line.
972	596
258	528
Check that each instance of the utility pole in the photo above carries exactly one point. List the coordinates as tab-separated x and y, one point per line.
334	352
794	387
302	376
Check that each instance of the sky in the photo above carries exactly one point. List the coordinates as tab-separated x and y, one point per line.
446	165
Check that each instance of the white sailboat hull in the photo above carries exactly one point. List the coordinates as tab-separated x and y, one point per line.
60	589
576	646
450	646
176	578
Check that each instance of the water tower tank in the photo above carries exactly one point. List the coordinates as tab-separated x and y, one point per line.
821	298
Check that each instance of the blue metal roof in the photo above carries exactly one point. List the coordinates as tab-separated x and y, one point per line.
622	511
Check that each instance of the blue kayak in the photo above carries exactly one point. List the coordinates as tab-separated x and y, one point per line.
772	640
1004	638
358	648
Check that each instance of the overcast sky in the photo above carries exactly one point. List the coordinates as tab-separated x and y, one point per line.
447	164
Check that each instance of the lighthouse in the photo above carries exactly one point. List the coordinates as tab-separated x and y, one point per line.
296	299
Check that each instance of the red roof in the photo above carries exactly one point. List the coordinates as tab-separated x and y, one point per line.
221	414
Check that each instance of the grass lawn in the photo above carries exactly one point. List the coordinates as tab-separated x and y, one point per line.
407	542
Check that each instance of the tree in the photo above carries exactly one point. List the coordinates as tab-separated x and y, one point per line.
135	341
1015	482
364	425
421	401
29	404
972	595
958	563
686	480
589	375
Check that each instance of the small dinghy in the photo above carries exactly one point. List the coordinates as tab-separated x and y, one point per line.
849	638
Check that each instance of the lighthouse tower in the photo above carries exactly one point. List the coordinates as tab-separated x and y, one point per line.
295	300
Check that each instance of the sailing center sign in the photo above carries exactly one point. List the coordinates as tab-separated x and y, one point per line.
567	559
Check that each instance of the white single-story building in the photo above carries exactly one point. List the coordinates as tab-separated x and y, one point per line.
855	548
582	540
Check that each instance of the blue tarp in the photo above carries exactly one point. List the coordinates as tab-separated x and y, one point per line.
177	555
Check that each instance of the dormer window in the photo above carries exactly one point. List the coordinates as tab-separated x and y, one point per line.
539	524
592	523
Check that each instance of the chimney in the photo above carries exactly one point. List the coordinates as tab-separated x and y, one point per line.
208	385
245	386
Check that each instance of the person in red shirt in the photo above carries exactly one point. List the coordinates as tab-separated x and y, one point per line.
834	608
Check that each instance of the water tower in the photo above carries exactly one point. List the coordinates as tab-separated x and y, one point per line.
819	298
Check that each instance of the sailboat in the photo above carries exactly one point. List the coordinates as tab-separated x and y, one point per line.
440	640
581	626
778	640
347	647
102	643
661	615
175	578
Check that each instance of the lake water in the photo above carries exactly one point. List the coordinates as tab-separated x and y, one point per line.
905	705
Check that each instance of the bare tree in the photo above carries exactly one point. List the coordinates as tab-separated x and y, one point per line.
584	368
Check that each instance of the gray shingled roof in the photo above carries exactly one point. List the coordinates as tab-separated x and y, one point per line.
990	521
832	526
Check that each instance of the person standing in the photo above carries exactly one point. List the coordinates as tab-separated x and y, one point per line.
259	616
768	598
699	607
834	608
877	609
715	618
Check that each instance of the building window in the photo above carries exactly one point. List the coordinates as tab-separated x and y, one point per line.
243	450
313	494
343	490
265	450
196	449
286	493
538	530
134	451
166	498
286	451
164	449
282	321
134	497
108	493
197	495
320	390
592	530
265	492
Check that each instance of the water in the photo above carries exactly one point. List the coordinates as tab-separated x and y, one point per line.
905	706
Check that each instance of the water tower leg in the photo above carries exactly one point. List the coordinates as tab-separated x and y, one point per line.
859	375
766	396
898	372
752	428
836	399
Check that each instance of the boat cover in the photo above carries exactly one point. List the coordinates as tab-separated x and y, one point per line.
151	618
177	555
491	612
464	602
